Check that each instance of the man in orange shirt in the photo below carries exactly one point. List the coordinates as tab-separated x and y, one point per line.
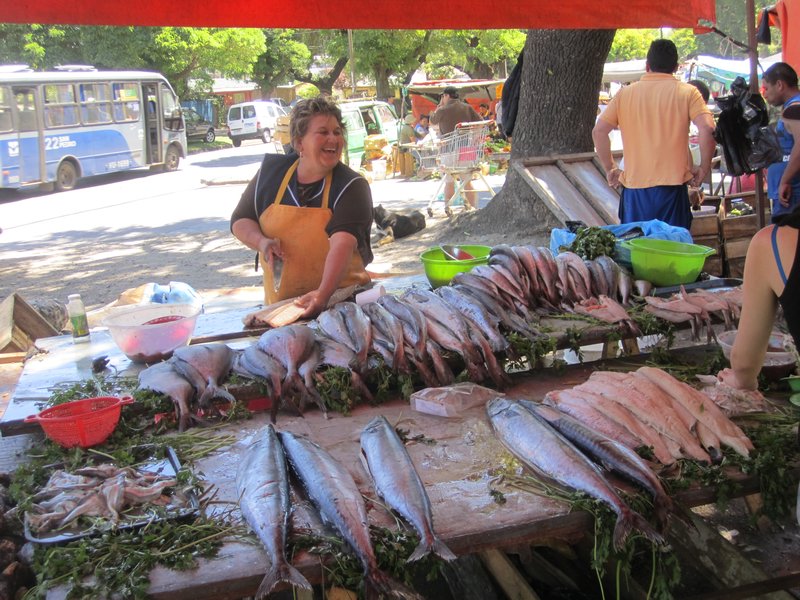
653	116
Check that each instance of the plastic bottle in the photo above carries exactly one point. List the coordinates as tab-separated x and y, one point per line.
77	317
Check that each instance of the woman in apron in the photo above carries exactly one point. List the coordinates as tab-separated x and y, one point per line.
307	214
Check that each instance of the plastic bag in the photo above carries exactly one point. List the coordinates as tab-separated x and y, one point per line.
652	229
747	142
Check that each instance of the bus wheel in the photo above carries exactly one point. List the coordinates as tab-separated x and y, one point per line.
66	176
172	159
266	136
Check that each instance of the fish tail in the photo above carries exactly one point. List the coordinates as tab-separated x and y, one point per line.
662	509
630	520
214	391
281	571
438	547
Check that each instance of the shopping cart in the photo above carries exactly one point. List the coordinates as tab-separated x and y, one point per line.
459	157
426	155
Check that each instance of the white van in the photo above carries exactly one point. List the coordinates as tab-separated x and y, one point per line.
253	120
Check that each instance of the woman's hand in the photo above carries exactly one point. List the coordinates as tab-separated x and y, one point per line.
313	302
269	247
729	377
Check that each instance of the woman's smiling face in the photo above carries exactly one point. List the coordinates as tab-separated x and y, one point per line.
322	145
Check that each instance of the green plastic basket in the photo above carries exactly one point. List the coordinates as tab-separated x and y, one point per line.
664	262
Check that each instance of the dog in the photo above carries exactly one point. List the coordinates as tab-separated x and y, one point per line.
394	225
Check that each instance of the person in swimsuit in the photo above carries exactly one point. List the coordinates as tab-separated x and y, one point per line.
771	278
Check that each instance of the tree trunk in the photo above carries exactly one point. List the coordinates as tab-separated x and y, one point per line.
561	76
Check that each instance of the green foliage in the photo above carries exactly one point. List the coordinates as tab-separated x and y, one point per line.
284	55
732	20
119	562
631	44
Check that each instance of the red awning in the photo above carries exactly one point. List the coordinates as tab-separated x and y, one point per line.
367	14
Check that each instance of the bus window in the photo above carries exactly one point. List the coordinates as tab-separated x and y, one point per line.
26	109
173	119
126	101
95	107
60	109
5	109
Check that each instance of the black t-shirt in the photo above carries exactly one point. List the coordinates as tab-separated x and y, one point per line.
350	198
790	298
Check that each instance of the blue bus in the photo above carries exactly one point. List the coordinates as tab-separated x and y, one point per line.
59	126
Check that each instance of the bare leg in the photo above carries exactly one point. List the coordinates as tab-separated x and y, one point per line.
470	195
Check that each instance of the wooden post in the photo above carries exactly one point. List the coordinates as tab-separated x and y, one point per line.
750	15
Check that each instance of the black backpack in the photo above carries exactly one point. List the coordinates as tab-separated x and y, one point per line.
748	143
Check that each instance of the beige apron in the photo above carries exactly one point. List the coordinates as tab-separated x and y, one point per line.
305	245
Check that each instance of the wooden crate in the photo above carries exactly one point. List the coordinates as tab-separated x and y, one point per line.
714	265
20	325
704	224
738	227
712	241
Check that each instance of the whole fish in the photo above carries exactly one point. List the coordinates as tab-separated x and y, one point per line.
204	366
332	490
476	313
360	329
397	482
263	487
550	454
546	270
415	329
392	331
611	454
292	345
164	379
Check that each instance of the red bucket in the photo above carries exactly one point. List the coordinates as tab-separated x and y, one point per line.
83	423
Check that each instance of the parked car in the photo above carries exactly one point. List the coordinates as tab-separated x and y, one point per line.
253	120
363	118
280	102
197	126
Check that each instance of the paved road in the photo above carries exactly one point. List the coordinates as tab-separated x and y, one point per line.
117	232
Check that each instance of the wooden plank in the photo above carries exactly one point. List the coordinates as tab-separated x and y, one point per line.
7	322
705	225
715	557
594	188
714	265
712	241
562	198
736	248
736	227
734	267
507	577
12	357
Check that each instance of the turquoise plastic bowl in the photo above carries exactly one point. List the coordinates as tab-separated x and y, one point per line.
441	270
664	262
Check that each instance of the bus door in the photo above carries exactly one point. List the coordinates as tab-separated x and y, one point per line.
152	135
30	148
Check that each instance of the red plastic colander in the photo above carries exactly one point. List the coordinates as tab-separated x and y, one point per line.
83	423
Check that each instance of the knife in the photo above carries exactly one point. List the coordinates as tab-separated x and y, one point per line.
277	271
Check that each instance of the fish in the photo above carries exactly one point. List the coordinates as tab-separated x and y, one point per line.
510	320
163	378
477	314
611	454
396	480
334	354
360	329
335	494
702	408
204	366
547	452
292	345
415	328
254	362
547	272
262	484
387	325
629	392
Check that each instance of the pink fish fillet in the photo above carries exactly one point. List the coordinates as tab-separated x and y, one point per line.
703	409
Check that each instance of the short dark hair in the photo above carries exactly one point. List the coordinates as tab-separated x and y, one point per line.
662	57
780	71
307	109
702	88
450	91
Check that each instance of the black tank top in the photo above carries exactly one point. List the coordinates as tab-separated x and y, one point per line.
790	298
